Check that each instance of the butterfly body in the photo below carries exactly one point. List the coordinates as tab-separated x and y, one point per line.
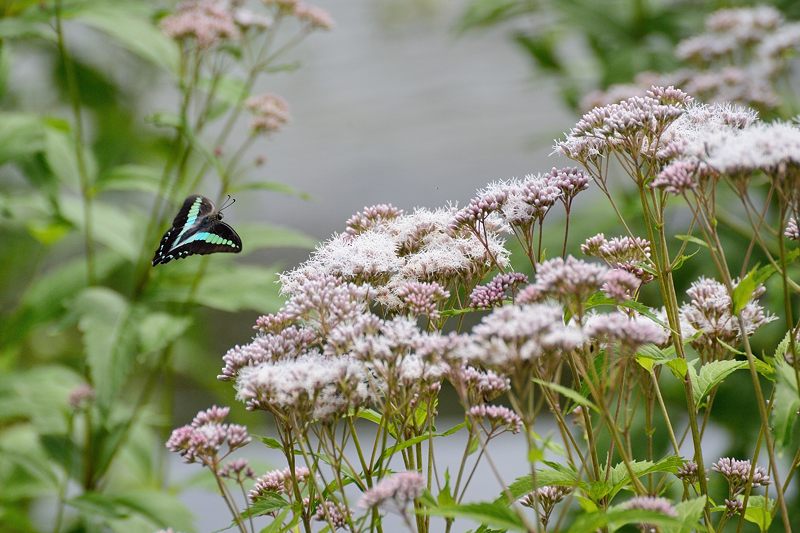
197	230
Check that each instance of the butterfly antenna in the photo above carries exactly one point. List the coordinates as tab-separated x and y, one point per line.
226	205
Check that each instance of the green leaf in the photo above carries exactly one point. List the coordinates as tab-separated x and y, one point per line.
109	339
743	292
229	288
445	497
268	502
157	330
689	514
786	403
272	186
61	450
759	511
94	504
489	513
711	375
129	178
567	392
111	226
617	517
620	477
159	507
389	452
556	475
269	442
60	154
129	24
21	135
692	239
277	526
57	285
261	236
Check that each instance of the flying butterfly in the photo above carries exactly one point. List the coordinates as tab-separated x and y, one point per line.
197	229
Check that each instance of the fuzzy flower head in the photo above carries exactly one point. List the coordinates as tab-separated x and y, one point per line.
310	387
270	113
688	472
421	298
493	293
238	470
499	418
207	22
313	16
654	504
737	474
395	492
792	230
631	254
546	498
280	481
710	312
203	439
621	285
334	514
516	335
370	217
474	215
629	333
636	123
477	386
322	300
81	397
288	343
567	280
570	181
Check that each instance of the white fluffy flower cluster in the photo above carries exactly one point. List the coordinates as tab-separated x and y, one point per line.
393	251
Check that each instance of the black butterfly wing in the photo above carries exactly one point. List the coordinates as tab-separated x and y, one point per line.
194	209
218	237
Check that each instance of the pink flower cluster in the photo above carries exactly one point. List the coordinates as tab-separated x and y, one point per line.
203	439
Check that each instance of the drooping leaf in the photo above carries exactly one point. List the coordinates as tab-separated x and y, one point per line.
96	504
61	155
129	24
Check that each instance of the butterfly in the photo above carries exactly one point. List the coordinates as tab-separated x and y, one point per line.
197	229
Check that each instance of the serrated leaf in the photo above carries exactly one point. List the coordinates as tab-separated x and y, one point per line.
615	518
108	338
567	393
786	403
711	375
267	502
689	514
